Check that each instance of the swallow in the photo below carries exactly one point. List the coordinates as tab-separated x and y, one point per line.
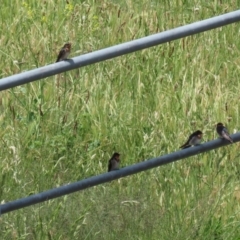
223	132
194	139
113	163
64	52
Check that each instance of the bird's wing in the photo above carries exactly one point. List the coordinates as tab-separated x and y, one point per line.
226	135
109	165
186	143
225	131
61	53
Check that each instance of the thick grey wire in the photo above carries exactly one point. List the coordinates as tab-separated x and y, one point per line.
107	177
119	50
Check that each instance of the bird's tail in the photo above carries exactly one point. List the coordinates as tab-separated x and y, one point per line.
228	138
185	146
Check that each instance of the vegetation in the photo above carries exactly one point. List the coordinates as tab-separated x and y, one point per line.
65	128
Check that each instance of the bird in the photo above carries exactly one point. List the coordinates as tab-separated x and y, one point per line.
114	162
223	132
194	139
64	52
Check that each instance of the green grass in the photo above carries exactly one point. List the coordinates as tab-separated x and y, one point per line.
65	128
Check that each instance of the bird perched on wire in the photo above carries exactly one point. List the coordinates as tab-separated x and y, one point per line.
194	139
64	52
223	132
114	162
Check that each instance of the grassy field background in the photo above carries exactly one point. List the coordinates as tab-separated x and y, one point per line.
65	128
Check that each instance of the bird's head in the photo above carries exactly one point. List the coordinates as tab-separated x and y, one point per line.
199	133
116	156
67	45
219	124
